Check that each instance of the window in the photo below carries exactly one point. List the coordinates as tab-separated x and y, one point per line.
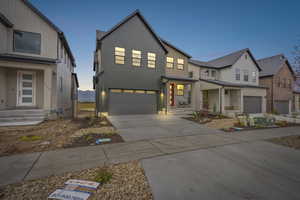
191	74
150	92
61	51
206	72
246	56
26	42
254	77
66	57
290	83
180	89
140	91
170	62
237	74
136	58
61	84
151	60
246	75
213	73
278	82
128	91
119	55
180	63
284	83
116	90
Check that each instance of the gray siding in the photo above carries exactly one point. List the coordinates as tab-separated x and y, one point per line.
132	35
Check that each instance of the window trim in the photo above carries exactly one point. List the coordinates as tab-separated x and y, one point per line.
254	76
115	55
237	75
246	75
151	60
14	42
169	62
180	64
136	58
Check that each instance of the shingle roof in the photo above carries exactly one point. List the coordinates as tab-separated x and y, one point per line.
135	13
5	21
229	84
200	63
174	47
271	65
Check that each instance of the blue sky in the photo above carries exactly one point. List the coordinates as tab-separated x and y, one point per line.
204	29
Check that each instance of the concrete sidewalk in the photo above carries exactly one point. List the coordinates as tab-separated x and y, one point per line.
37	165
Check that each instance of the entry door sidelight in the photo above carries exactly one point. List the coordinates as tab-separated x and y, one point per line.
26	89
172	95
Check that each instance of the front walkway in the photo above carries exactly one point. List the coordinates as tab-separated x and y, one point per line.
37	165
145	127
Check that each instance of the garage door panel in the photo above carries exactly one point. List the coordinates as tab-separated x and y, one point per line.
252	104
132	103
282	107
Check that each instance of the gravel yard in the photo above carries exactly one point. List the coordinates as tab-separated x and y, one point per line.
290	141
128	182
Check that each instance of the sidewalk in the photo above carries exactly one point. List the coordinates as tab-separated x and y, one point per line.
37	165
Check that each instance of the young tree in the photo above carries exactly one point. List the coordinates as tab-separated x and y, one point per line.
296	53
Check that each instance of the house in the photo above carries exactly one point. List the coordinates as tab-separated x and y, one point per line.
230	84
37	78
278	75
136	72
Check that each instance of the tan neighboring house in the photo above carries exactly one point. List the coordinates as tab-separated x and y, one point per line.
37	78
230	84
278	75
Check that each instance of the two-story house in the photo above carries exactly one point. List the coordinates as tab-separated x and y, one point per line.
230	84
278	75
296	100
136	72
37	76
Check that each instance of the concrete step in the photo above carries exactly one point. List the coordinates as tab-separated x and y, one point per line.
22	119
21	113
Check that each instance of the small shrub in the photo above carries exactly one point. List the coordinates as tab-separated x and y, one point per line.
30	138
103	176
282	123
88	137
275	112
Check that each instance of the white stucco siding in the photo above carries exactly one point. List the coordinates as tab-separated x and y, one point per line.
24	19
245	62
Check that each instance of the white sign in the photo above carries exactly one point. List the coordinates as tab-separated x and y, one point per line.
69	195
82	183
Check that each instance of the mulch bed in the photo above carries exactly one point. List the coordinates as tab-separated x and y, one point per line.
258	128
197	121
292	141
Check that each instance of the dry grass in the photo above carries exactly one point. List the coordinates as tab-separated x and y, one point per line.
86	106
292	141
221	123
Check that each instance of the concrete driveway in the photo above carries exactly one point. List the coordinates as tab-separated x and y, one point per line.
257	170
143	127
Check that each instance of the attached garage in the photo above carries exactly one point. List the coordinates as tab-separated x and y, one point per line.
282	107
126	102
252	104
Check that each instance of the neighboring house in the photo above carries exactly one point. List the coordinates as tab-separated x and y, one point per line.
296	100
136	72
230	84
37	76
278	75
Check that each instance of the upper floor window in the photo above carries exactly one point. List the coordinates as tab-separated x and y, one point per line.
246	75
237	74
180	63
254	77
66	57
290	83
170	62
136	58
180	90
26	42
151	60
61	51
284	83
213	73
119	55
278	82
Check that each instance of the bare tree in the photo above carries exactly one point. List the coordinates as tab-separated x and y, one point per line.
296	53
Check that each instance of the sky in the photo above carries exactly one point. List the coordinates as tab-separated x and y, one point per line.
204	29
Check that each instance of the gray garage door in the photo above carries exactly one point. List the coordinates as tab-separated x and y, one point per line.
126	102
252	104
282	107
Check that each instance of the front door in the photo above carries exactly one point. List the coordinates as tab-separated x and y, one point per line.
172	95
26	88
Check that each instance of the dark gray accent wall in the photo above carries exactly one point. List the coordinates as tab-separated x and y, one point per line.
132	35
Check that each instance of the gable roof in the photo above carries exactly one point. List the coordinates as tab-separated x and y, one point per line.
271	65
231	59
135	13
59	32
200	63
229	84
5	21
176	48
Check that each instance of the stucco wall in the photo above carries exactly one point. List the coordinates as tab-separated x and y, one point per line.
228	74
24	19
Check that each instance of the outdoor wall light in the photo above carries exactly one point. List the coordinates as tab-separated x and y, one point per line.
103	93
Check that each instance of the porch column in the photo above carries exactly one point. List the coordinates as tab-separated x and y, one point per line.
47	88
297	106
222	100
241	101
